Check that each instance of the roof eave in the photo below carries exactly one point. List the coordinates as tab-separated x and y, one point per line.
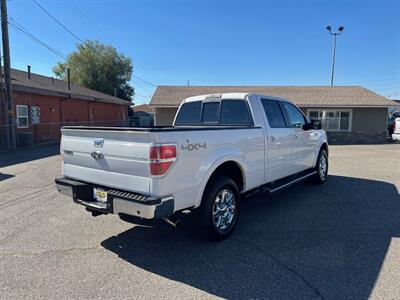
35	90
346	105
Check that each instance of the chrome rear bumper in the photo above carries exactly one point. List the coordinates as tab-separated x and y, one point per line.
118	202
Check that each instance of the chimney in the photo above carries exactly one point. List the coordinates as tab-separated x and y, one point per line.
52	79
29	72
69	78
115	92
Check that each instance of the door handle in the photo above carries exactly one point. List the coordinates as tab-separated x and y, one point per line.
272	139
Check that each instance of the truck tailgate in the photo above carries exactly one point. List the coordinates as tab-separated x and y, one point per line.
121	161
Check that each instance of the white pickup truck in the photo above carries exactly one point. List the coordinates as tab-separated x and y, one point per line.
220	148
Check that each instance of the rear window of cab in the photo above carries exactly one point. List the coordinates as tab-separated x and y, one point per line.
225	112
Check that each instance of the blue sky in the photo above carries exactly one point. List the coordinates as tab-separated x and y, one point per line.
223	42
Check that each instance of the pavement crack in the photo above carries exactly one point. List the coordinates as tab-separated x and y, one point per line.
27	188
281	263
33	253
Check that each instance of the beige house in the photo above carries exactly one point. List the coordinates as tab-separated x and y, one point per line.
350	114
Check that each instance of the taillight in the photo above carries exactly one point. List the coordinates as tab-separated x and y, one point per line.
161	159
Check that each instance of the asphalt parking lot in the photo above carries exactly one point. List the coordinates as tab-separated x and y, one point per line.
340	240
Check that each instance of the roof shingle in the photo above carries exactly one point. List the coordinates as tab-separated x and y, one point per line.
47	85
143	107
306	96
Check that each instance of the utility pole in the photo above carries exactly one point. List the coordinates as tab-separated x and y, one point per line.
7	77
340	30
3	111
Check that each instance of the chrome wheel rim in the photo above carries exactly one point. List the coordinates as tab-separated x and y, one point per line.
224	209
323	167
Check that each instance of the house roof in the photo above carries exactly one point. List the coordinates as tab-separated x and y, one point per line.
143	107
305	96
40	84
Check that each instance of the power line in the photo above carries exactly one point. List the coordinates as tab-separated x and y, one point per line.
94	23
57	21
143	85
23	30
145	81
109	37
57	52
141	95
136	96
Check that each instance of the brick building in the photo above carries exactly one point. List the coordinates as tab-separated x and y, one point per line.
43	104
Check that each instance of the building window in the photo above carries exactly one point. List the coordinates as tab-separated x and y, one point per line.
332	119
22	116
35	114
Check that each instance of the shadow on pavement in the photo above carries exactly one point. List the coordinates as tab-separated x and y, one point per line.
5	176
22	156
309	241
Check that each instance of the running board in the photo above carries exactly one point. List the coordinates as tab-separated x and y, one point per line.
273	188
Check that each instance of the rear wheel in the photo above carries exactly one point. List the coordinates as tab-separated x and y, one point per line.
321	167
219	210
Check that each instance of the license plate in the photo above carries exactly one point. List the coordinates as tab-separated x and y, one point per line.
100	195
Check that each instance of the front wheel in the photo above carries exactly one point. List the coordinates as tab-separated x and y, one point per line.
219	209
321	167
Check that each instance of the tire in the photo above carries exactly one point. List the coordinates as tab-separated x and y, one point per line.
321	167
217	219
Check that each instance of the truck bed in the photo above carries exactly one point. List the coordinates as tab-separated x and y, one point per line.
158	128
125	153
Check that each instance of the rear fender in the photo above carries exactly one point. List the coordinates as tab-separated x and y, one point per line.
218	157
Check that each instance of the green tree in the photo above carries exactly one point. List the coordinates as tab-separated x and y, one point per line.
99	67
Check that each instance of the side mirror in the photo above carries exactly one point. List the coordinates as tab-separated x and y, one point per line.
313	124
307	126
316	124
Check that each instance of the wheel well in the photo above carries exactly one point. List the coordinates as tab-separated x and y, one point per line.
232	170
325	147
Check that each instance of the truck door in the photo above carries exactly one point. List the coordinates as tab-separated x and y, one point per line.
278	143
304	142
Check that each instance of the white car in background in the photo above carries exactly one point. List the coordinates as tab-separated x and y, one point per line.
396	131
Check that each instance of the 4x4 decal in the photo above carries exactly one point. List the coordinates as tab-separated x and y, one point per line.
192	147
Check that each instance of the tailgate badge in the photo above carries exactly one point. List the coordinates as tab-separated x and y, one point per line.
98	143
97	155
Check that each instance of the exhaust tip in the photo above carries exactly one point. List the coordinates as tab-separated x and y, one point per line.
174	223
178	224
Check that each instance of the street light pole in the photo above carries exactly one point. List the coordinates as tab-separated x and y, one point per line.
335	34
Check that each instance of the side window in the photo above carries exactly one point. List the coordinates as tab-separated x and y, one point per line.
235	112
189	114
295	117
210	112
274	114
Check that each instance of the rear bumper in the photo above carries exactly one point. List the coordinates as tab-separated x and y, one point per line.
396	136
118	202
